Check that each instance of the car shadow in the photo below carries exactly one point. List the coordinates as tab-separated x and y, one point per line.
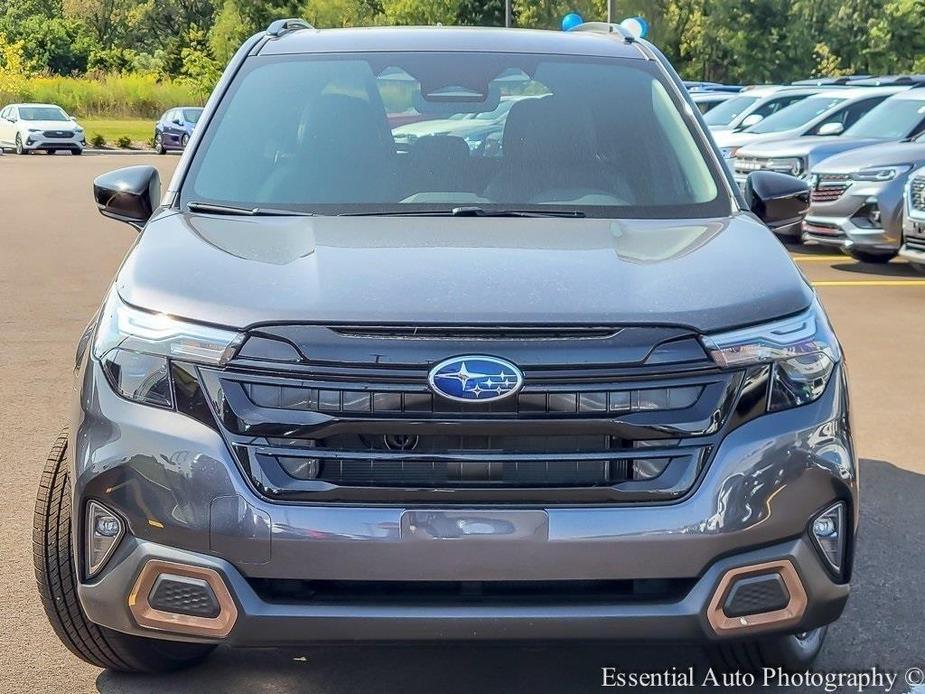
882	626
812	249
893	269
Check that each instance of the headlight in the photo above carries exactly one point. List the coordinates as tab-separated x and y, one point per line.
788	165
802	350
729	152
79	131
880	174
34	130
134	347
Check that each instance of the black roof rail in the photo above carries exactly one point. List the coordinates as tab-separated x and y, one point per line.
282	26
889	81
828	81
605	28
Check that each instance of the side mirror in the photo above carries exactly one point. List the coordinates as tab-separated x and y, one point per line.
749	121
833	128
777	199
177	121
129	195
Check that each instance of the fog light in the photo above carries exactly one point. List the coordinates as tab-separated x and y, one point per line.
828	533
104	530
869	216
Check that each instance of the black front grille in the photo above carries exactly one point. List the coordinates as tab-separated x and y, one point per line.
344	399
59	134
289	591
915	243
640	428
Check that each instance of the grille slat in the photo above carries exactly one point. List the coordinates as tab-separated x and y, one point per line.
829	187
917	194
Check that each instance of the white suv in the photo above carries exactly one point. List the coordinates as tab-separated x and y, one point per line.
28	127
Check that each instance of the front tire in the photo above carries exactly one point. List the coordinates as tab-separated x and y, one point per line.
184	141
876	258
791	652
19	146
57	584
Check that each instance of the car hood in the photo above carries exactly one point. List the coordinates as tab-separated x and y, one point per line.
236	272
804	146
49	124
728	138
884	154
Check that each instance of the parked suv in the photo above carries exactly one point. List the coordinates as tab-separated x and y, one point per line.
857	199
30	127
753	105
338	392
913	246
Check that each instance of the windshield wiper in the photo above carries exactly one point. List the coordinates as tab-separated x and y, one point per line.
211	208
468	212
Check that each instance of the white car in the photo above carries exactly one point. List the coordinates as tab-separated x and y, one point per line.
754	104
28	127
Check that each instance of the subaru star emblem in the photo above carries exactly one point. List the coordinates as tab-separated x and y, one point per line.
473	377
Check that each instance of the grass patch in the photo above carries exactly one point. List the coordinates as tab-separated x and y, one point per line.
107	95
137	131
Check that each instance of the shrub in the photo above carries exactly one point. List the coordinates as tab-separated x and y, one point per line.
97	141
124	142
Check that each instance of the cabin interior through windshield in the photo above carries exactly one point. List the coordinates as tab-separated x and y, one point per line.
362	133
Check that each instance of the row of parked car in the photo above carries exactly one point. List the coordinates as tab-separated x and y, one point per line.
858	142
28	128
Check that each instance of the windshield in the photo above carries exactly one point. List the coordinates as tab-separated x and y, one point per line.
599	137
894	119
728	111
800	113
42	113
191	115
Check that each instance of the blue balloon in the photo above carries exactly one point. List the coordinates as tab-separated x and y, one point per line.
637	26
571	20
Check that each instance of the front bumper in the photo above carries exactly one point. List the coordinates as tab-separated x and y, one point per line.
34	141
836	223
913	248
183	498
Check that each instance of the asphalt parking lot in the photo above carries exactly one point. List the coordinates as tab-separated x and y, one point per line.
57	255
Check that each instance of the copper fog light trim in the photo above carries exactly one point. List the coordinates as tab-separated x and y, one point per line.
762	621
151	618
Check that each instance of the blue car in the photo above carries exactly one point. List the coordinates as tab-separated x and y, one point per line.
175	128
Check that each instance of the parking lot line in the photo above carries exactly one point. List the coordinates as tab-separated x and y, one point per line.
870	283
820	258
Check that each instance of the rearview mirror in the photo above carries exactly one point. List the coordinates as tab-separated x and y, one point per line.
834	128
749	121
129	195
777	199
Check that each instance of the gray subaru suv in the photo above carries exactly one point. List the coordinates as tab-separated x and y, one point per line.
570	387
